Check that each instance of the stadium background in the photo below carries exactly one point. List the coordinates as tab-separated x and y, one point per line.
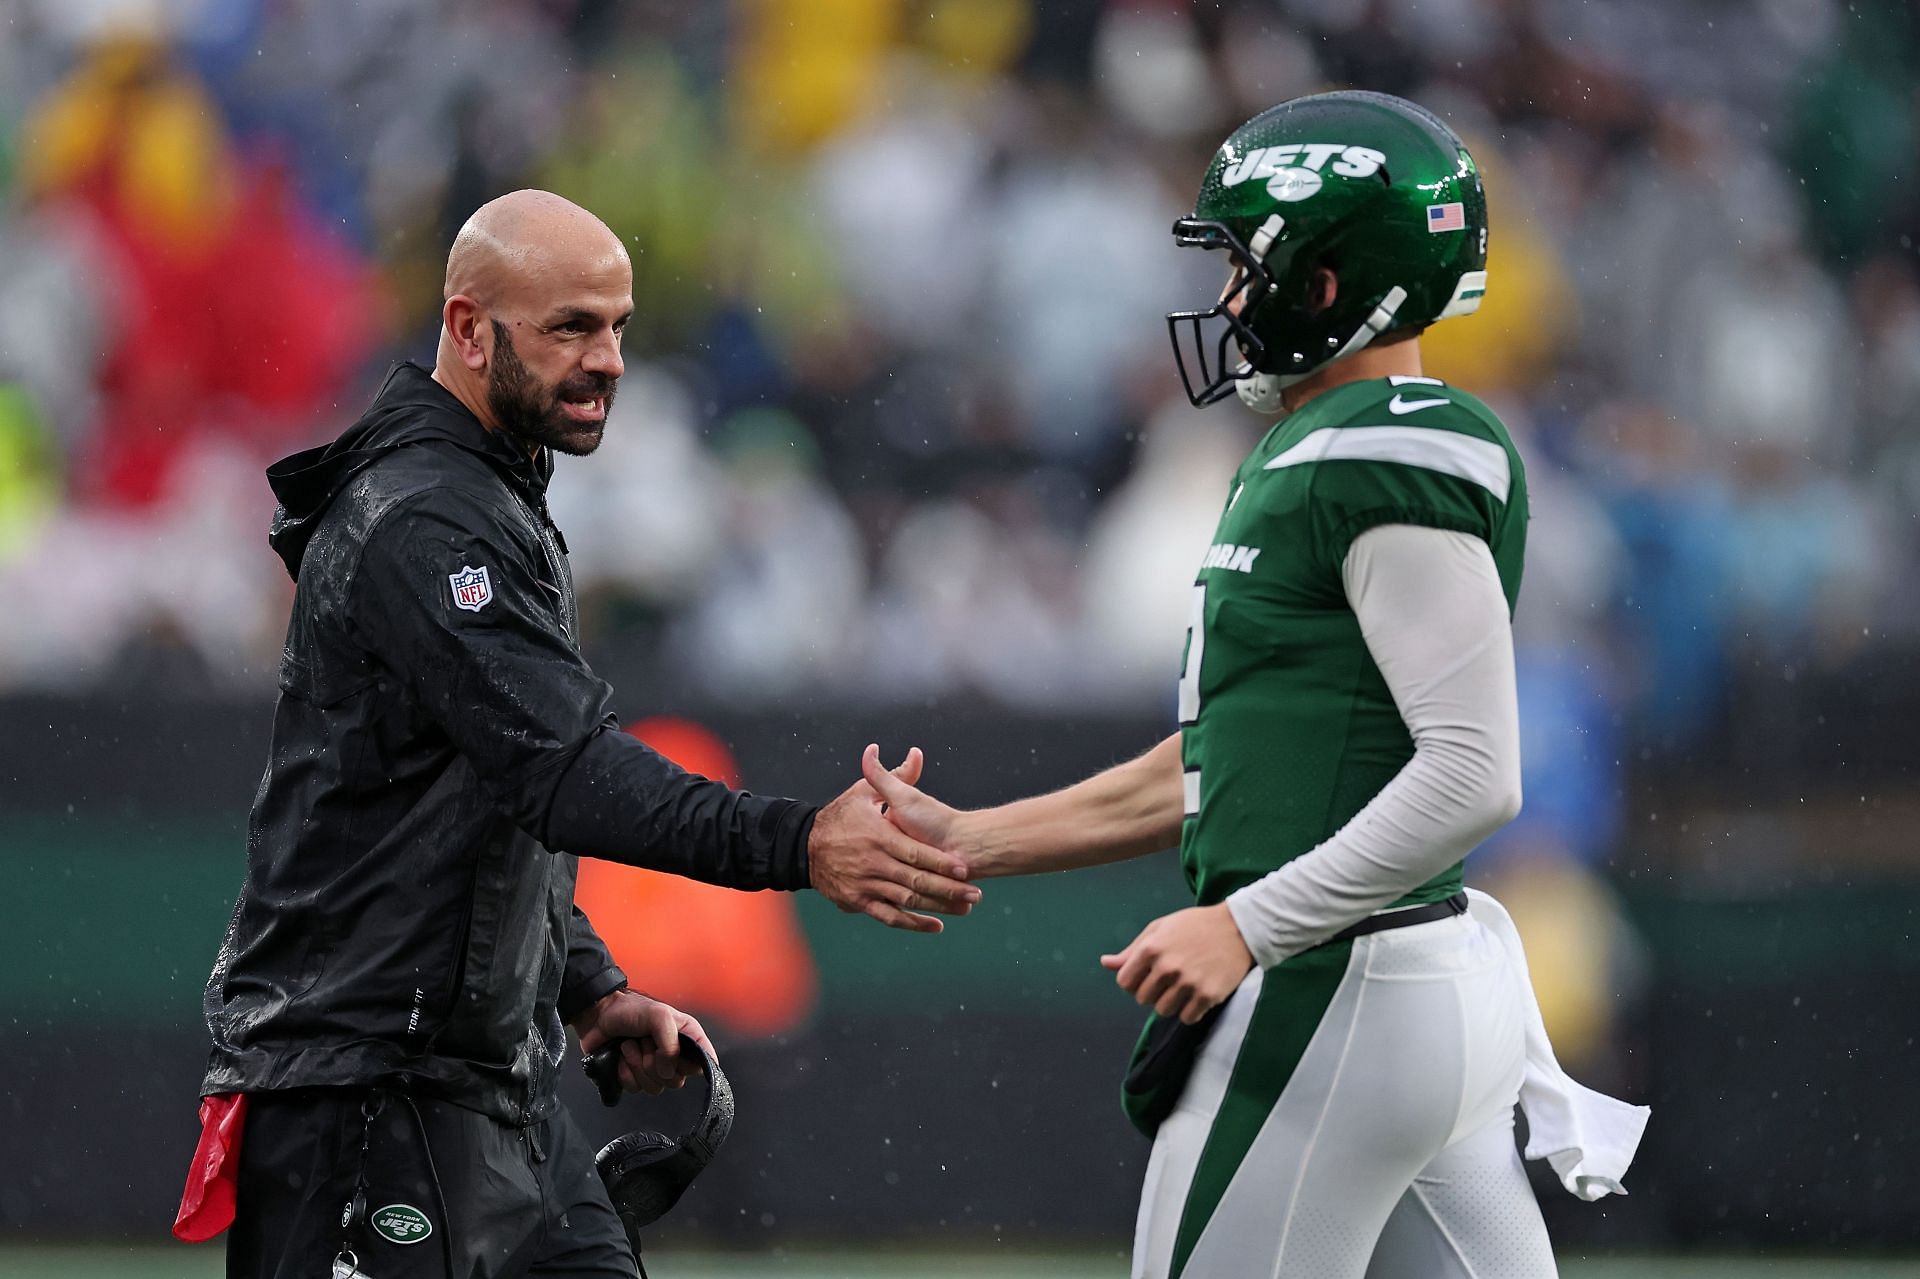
900	455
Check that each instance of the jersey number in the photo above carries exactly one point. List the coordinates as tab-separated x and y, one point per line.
1190	692
1196	645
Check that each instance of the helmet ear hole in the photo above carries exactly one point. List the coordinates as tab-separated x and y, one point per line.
1323	289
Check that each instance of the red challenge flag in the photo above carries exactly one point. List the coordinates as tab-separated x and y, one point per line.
206	1206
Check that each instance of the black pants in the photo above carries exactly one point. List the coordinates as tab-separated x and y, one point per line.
452	1188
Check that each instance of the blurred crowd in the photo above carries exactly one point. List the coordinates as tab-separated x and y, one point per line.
900	419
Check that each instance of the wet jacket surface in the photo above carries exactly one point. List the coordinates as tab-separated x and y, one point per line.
440	753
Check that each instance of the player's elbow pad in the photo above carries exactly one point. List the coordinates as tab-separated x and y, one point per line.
1482	784
1498	801
1507	802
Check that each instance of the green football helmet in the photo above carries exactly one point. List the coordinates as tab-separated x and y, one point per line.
1370	186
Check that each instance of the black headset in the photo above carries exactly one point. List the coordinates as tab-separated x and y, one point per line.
646	1172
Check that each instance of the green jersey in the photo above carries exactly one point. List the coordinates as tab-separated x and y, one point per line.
1287	728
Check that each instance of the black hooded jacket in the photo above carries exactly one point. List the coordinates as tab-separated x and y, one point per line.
441	752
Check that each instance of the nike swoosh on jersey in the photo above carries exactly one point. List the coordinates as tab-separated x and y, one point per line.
1401	404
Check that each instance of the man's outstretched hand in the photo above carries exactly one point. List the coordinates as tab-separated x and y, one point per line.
911	809
863	863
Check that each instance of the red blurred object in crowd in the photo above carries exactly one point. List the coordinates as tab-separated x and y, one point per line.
235	312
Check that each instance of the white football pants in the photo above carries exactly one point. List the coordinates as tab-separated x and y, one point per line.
1388	1152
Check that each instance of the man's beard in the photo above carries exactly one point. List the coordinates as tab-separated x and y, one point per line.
537	414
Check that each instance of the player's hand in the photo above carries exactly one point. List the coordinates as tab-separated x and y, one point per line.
1183	964
863	863
645	1025
914	811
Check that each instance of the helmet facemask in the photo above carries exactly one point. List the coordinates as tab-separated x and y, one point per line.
1214	374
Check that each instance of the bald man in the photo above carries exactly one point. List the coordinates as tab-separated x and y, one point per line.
388	1010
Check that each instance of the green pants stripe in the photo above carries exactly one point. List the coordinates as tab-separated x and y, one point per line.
1293	998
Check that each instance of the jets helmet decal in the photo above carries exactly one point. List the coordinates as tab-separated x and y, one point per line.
1370	186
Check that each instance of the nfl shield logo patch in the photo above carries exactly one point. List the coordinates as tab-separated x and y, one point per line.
472	588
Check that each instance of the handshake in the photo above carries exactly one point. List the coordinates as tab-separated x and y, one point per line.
887	850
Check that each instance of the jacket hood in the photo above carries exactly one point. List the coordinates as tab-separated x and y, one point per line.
410	408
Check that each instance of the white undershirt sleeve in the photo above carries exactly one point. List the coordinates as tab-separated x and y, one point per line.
1435	620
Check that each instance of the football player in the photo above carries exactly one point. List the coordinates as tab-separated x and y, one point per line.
1337	1045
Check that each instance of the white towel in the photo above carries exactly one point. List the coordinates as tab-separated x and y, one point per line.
1587	1137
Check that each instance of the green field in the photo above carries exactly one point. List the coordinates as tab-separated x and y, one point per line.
182	1262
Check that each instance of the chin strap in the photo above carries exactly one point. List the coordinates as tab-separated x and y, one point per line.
1261	392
